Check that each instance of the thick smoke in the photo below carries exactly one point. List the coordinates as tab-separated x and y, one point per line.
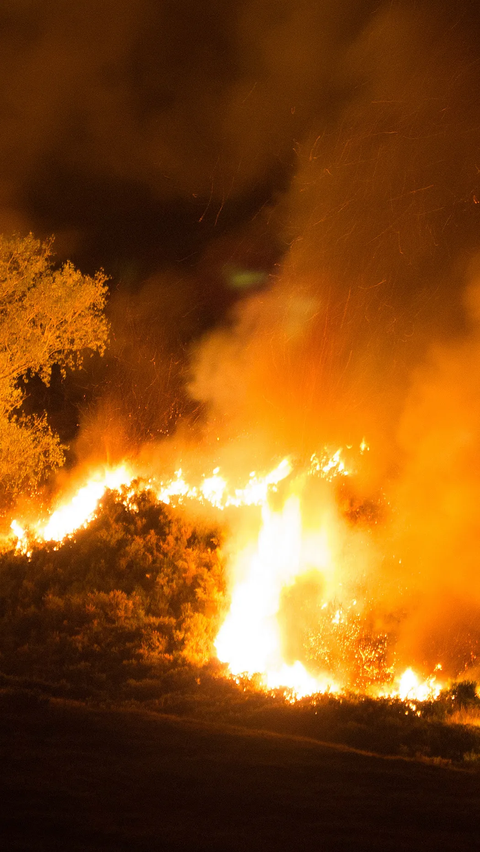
117	114
379	219
366	330
435	524
155	139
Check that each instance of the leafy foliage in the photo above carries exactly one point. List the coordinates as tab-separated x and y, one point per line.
139	587
48	316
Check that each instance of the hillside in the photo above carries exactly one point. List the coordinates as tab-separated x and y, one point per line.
87	779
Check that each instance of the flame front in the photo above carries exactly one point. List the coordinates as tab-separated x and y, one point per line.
275	556
81	508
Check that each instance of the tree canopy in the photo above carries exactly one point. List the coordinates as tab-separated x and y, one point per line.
49	316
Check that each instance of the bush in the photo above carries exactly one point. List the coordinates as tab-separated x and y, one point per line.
138	587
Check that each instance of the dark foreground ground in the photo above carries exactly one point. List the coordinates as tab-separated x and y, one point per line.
76	778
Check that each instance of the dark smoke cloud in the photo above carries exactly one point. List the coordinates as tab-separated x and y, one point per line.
139	132
150	134
159	111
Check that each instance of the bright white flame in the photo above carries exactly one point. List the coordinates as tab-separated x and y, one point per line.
298	680
21	536
81	509
213	488
176	488
258	488
17	530
411	688
328	466
249	640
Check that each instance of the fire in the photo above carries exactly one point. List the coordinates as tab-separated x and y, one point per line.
255	601
77	512
283	550
81	509
250	640
411	687
19	532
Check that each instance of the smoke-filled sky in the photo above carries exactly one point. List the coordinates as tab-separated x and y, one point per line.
312	166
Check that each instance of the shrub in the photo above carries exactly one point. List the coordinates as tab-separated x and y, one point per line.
139	586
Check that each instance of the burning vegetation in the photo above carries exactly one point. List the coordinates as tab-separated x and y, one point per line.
137	587
246	597
277	474
141	601
270	577
307	575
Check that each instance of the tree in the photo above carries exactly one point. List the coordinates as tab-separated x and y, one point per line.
48	316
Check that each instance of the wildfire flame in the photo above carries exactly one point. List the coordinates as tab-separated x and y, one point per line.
75	513
411	687
250	640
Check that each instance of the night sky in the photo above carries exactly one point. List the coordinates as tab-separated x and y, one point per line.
312	167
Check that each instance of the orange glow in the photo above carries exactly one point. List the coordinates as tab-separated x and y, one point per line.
77	511
291	536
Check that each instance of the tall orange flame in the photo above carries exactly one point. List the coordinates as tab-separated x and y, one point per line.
250	640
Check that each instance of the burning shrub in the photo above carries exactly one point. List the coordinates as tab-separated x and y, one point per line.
343	640
333	638
140	586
